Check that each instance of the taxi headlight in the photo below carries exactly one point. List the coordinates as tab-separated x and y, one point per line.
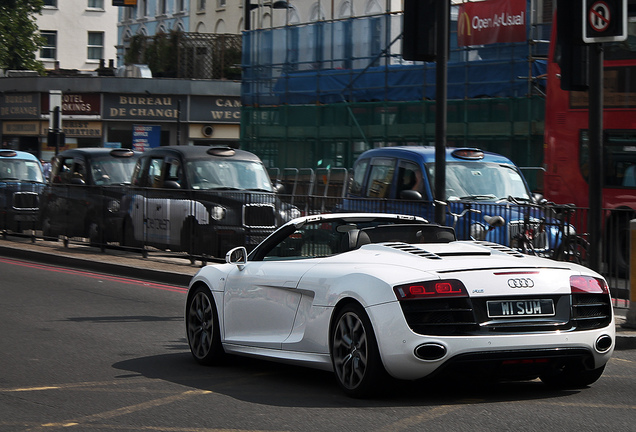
217	213
113	206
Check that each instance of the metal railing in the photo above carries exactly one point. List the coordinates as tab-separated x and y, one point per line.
203	225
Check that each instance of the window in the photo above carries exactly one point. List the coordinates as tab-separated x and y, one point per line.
96	4
180	7
619	157
201	5
161	7
380	178
49	48
220	4
50	3
143	8
95	45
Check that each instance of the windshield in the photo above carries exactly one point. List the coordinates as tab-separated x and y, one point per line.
481	181
226	174
20	170
113	171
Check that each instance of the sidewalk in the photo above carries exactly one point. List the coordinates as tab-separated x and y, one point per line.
159	267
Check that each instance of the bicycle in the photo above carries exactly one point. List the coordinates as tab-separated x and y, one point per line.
551	237
572	247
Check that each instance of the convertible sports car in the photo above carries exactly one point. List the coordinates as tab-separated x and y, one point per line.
371	295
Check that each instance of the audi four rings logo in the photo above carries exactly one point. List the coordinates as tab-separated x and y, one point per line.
520	283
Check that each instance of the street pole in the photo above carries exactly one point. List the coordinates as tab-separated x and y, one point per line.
441	94
595	162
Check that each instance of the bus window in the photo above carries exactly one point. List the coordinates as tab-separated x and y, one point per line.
619	158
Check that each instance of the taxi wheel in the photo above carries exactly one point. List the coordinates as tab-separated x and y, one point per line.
46	227
94	235
129	235
191	237
202	326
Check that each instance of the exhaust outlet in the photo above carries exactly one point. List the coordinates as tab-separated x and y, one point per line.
430	351
603	343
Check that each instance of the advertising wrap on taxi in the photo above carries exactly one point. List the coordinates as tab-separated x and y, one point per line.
491	21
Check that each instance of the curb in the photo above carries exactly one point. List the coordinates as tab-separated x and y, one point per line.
625	342
154	275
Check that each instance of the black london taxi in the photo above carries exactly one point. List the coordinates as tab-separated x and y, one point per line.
202	200
84	194
21	184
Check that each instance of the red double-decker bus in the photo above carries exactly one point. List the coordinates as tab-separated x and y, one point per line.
566	145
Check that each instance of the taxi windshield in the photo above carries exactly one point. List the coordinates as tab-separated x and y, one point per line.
20	170
481	181
228	175
112	171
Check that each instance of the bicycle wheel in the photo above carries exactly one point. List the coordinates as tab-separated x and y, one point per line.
573	249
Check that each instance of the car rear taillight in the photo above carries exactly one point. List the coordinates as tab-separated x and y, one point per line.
588	285
431	289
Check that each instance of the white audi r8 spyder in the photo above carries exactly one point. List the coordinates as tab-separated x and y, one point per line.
374	295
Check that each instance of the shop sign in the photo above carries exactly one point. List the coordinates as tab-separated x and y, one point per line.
21	128
140	107
81	129
75	103
215	109
146	137
20	106
491	21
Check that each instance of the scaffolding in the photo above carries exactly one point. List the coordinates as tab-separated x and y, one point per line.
319	94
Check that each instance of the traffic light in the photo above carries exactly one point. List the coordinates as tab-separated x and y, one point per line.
419	30
572	54
56	139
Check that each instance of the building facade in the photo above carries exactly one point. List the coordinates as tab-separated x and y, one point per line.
118	112
319	93
148	18
77	34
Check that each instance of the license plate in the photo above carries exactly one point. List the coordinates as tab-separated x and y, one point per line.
518	308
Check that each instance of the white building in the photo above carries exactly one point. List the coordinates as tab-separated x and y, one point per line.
77	33
227	16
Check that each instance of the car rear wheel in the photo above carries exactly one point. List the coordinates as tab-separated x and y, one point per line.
128	236
202	325
94	233
571	377
354	353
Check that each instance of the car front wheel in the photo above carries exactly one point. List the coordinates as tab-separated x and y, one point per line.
354	353
202	326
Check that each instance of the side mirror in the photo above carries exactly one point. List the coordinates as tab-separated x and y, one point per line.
77	181
410	195
279	188
171	184
237	256
538	198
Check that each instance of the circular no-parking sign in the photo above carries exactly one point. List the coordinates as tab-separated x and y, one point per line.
599	16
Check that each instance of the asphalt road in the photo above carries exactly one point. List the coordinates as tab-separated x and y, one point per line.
92	352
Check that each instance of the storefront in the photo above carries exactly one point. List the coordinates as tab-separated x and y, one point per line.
120	112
